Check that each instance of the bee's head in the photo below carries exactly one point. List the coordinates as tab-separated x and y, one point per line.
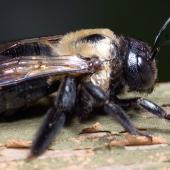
140	66
140	69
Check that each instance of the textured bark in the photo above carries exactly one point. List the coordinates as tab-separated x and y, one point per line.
72	150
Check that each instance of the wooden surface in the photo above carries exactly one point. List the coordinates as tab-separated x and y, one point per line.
73	151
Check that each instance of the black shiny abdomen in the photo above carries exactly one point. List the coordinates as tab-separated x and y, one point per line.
24	94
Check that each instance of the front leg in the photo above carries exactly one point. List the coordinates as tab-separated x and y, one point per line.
112	109
56	116
146	104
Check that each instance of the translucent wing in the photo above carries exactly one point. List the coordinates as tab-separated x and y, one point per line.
27	47
31	58
18	69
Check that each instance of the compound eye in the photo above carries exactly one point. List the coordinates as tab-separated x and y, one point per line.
138	72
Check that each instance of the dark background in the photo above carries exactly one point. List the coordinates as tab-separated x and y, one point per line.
138	19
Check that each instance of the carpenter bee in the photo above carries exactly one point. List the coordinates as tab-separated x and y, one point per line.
88	69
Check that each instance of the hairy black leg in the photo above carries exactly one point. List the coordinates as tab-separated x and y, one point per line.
117	112
112	109
51	126
146	104
84	104
96	92
55	117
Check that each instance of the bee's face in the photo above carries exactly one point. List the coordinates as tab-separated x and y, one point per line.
140	69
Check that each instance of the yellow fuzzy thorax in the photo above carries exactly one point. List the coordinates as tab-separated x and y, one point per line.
69	44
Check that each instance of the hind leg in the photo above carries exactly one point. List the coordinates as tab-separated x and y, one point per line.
56	116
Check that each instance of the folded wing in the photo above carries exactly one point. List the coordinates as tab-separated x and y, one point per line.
18	69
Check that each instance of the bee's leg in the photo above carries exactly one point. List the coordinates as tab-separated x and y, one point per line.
112	109
117	112
84	104
55	117
146	104
50	127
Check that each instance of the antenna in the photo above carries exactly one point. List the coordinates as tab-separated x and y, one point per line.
157	44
